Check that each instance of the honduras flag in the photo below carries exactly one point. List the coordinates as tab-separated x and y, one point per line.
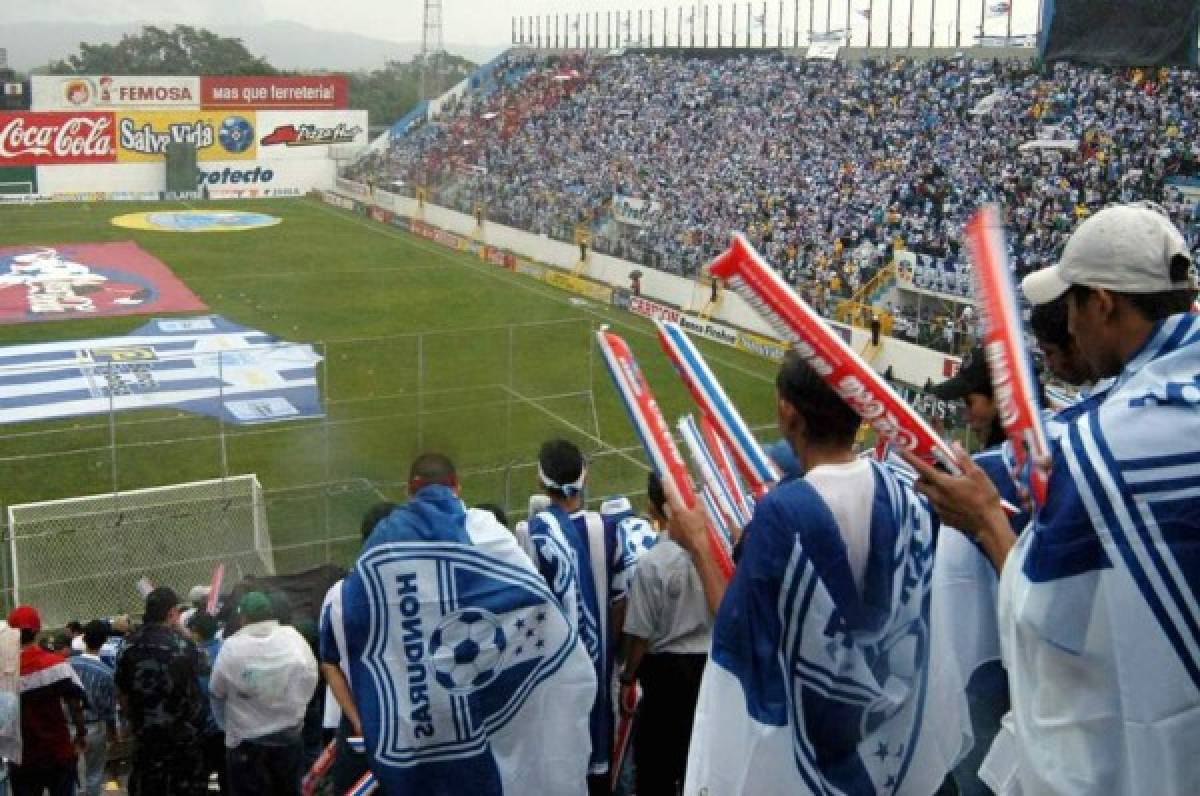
627	538
468	675
1099	603
813	687
573	556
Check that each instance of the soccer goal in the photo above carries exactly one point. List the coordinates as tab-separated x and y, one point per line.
18	188
82	557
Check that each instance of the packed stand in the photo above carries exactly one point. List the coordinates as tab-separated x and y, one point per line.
828	167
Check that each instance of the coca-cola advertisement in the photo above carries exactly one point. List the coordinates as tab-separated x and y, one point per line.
40	138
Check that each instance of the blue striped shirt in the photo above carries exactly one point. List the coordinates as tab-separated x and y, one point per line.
97	679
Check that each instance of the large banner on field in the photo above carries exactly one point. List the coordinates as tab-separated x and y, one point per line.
206	365
87	280
275	91
83	92
36	139
144	136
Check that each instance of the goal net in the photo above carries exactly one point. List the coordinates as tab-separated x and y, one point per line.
82	557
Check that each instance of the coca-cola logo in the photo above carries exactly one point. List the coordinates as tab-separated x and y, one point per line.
55	138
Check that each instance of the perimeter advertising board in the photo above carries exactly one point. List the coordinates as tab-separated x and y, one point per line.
304	134
82	92
277	91
32	139
143	136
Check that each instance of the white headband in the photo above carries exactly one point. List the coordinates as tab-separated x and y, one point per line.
570	490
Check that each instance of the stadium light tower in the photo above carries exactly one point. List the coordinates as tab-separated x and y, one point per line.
431	48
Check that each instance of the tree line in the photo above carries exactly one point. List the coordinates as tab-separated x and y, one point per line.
386	93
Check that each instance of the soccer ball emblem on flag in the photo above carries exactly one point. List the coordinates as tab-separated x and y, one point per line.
467	649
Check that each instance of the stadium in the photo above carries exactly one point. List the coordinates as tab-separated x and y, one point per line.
238	310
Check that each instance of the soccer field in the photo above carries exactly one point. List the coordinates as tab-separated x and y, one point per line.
425	349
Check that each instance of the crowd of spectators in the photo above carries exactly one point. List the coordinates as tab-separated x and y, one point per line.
828	167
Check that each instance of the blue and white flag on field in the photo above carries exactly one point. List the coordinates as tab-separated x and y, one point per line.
1099	603
467	674
813	687
206	365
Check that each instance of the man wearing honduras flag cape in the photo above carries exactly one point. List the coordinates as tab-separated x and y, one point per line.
1098	601
824	677
573	554
467	675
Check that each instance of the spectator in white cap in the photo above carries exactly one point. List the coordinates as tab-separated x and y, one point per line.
1098	606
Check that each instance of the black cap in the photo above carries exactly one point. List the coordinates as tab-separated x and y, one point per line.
973	376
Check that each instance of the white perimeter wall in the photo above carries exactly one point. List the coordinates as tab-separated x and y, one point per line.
910	363
288	177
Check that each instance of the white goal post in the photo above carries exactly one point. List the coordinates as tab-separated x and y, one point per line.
26	188
82	557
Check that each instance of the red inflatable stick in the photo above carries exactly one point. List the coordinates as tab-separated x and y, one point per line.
1004	344
656	438
214	589
312	779
862	388
623	734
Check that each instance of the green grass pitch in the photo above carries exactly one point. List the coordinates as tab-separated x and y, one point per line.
503	363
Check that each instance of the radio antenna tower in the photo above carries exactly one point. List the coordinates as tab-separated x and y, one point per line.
431	48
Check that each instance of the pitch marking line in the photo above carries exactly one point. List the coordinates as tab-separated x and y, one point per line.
604	446
492	272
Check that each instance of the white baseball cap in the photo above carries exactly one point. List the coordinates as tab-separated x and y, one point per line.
1125	248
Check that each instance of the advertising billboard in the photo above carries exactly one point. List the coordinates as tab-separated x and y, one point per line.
29	139
81	92
309	134
143	136
276	91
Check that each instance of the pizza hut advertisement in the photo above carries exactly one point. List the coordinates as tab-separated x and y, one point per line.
282	91
309	134
34	139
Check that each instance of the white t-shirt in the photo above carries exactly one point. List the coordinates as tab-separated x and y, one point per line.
849	491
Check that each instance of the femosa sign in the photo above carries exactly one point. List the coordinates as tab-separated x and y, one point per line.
31	138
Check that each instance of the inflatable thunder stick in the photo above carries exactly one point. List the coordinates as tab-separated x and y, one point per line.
1004	344
722	510
312	780
214	589
842	369
752	461
648	422
624	731
726	470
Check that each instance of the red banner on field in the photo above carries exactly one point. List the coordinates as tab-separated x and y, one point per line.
29	138
87	280
284	91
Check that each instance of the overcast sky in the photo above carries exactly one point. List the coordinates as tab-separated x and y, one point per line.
488	22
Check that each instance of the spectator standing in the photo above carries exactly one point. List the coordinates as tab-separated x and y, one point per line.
572	555
75	631
261	686
100	711
1096	610
668	628
823	674
203	627
159	693
349	764
50	693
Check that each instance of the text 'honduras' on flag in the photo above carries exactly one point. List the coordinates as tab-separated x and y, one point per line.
468	676
815	686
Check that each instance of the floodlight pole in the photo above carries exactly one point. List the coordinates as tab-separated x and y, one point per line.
431	47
